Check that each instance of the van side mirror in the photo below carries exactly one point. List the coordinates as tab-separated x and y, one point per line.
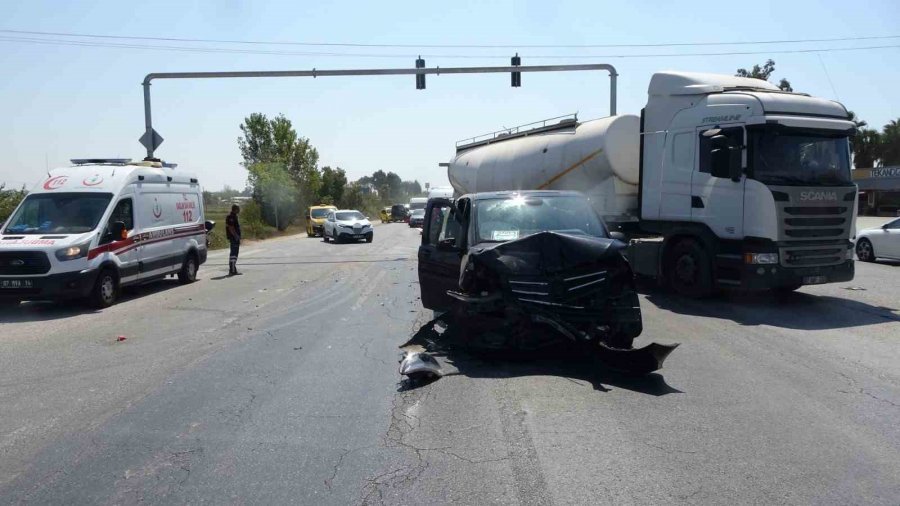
447	245
118	231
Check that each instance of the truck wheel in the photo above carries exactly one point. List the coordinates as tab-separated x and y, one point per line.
105	290
864	250
188	272
689	271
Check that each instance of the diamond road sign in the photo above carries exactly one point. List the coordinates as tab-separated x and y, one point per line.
155	139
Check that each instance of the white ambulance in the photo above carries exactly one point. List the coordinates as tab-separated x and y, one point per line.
101	224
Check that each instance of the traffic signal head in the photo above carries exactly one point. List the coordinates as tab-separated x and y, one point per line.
420	78
515	61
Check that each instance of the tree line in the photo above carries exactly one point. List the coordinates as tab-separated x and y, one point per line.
284	177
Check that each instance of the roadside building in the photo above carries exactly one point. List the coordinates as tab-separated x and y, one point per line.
879	191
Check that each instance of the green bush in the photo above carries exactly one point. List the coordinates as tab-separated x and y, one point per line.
252	225
9	199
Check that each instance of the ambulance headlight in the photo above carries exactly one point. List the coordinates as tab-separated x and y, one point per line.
73	252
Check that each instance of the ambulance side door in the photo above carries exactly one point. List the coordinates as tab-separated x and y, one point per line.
125	249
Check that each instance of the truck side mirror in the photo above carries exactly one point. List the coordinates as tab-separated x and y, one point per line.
734	164
725	159
719	162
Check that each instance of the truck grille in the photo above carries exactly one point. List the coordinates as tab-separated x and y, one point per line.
15	263
814	234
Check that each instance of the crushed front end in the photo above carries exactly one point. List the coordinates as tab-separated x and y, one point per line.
550	287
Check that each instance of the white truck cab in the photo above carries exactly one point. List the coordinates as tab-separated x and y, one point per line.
759	177
89	229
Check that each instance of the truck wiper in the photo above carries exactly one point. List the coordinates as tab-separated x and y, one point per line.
788	180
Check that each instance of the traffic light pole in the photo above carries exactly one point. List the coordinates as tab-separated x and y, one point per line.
151	145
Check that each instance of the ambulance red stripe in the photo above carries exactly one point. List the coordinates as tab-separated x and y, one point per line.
136	240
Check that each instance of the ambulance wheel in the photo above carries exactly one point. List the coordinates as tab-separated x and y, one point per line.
105	290
188	272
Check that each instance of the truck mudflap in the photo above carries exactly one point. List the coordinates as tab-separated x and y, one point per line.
552	287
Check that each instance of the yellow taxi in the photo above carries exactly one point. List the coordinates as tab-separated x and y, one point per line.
315	218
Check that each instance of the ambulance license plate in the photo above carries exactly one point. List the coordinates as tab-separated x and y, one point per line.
16	283
815	280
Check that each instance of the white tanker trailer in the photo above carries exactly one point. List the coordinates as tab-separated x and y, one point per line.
721	182
598	158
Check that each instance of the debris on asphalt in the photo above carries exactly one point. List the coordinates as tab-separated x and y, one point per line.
854	288
418	365
119	339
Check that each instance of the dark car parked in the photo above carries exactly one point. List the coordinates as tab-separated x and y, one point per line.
399	212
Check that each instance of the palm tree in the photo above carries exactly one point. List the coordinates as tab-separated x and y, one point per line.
890	143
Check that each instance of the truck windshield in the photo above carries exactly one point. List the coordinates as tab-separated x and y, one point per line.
799	158
58	213
499	220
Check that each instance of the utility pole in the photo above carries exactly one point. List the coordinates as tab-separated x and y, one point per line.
151	139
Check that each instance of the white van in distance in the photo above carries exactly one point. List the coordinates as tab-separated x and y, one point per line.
101	224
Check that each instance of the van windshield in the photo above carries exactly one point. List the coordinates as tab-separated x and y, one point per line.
320	213
58	213
500	220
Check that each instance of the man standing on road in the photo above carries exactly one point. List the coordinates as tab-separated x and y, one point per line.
233	232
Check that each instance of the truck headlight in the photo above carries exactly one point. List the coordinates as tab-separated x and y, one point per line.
760	258
73	252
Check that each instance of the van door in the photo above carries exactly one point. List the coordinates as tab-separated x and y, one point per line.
157	218
127	250
718	202
440	254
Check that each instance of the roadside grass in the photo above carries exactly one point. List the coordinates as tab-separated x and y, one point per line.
252	226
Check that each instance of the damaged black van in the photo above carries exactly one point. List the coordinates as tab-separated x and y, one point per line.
526	269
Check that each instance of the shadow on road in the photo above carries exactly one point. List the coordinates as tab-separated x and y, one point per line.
306	262
37	311
562	361
794	310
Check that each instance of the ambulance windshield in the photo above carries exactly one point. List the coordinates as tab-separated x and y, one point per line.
58	213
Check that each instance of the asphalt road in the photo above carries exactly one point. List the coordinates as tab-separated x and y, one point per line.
281	386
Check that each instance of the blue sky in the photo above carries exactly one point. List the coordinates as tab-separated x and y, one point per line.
59	102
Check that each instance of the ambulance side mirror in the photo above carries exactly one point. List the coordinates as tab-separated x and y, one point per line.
209	225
